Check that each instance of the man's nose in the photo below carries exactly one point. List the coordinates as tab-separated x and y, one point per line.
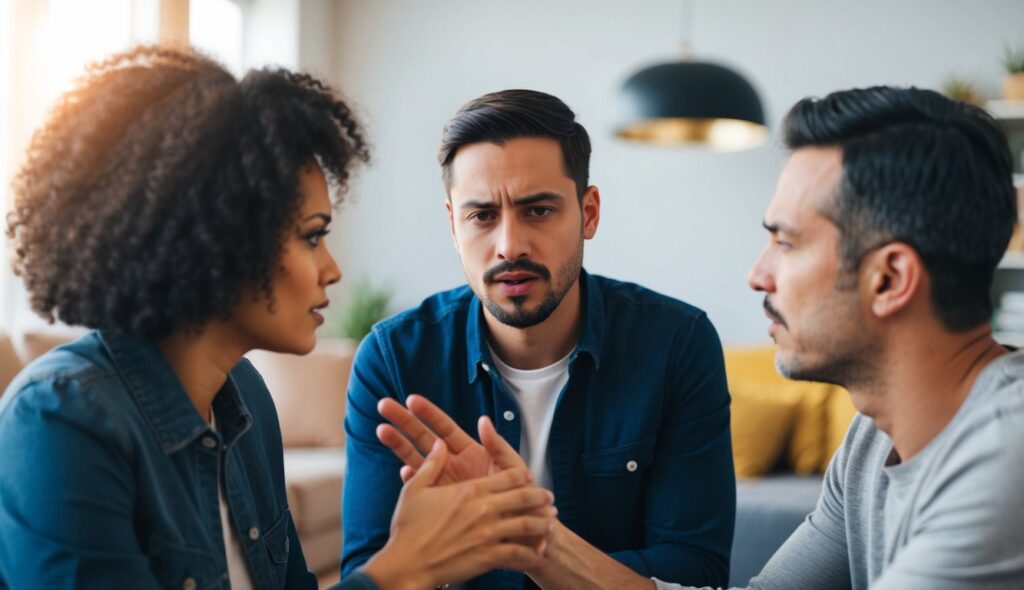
513	242
761	277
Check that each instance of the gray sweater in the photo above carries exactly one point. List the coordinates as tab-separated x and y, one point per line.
952	517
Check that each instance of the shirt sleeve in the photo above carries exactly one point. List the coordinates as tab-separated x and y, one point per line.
815	555
372	481
66	494
691	497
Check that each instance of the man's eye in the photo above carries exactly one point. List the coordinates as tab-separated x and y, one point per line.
783	244
540	211
482	216
313	238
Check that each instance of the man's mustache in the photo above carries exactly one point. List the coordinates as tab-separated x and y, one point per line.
517	265
773	313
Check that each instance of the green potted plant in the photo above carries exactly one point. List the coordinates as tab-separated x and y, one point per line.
962	89
1013	83
366	305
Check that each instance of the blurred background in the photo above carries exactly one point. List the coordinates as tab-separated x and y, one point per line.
685	221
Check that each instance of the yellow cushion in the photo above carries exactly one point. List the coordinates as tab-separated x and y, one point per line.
751	369
760	427
840	412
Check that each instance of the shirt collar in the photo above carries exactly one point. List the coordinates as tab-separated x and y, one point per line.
590	336
162	399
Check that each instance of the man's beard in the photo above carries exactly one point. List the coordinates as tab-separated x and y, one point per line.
519	316
843	354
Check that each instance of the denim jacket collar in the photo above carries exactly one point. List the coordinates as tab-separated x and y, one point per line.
591	334
162	399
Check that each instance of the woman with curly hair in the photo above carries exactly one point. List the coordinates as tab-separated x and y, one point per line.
180	214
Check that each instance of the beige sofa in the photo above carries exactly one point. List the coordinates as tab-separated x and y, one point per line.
309	392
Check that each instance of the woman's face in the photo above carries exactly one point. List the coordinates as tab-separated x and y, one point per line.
300	282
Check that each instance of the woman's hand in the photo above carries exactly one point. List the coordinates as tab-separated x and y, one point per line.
450	533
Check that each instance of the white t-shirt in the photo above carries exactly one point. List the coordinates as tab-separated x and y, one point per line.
238	567
536	393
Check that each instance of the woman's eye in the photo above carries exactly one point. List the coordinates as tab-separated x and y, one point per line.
313	238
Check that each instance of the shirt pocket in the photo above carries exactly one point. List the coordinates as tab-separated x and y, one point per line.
275	539
616	478
628	460
178	566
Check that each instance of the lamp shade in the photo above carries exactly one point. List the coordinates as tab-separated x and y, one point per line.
691	102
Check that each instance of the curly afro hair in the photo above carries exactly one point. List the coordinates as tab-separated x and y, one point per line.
161	188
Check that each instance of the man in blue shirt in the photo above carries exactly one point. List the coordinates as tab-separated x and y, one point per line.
614	395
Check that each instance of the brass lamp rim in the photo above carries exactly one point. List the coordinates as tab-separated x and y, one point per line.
718	133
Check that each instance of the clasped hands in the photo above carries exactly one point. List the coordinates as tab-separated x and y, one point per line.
503	519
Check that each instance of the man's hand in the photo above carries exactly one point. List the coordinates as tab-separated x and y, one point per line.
450	533
570	562
413	430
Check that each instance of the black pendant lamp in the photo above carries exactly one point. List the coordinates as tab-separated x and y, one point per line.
687	102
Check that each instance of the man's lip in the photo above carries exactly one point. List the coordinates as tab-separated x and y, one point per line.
514	276
768	313
517	289
320	306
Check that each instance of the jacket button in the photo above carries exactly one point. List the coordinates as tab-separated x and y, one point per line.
485	367
190	584
208	442
254	533
509	415
631	466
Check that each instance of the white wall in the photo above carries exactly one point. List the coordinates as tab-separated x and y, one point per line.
272	33
684	222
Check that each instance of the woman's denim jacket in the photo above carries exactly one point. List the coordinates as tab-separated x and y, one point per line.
108	475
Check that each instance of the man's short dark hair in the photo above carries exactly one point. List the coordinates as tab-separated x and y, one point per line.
924	170
510	114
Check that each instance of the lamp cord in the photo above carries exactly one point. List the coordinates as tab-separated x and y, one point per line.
686	29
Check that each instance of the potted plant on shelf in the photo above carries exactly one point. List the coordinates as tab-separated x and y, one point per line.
367	304
1013	83
962	89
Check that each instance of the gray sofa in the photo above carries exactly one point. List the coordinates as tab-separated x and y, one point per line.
768	510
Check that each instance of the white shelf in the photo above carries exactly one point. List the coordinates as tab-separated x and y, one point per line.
1015	339
1012	260
1006	109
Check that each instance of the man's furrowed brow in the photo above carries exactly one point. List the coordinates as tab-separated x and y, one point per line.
778	227
545	197
537	198
478	204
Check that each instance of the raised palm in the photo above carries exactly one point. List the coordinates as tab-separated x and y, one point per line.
416	427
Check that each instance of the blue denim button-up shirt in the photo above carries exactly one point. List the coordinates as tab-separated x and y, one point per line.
108	475
640	451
